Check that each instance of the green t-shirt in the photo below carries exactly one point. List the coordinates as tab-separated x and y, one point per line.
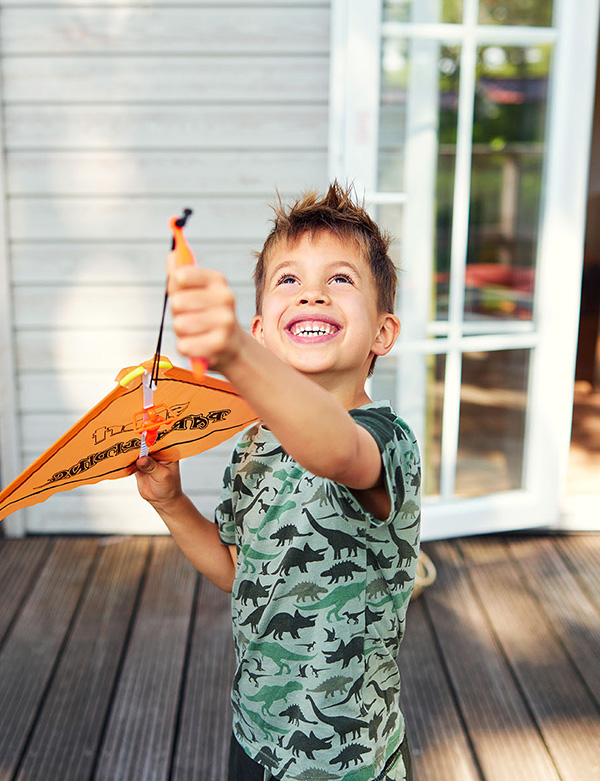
319	603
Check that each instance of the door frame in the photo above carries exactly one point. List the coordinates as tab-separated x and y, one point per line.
357	32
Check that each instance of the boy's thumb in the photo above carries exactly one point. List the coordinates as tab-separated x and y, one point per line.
146	464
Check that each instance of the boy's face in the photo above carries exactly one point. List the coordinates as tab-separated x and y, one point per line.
319	311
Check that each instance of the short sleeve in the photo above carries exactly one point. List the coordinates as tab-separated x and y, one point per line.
224	512
399	457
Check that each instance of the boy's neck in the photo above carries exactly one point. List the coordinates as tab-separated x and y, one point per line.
349	395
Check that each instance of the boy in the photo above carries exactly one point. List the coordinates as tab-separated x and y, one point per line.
318	529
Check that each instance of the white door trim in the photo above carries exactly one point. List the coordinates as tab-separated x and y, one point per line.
553	336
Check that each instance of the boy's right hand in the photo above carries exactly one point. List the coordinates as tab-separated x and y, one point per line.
158	482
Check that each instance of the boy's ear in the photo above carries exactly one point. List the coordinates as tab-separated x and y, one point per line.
256	328
389	331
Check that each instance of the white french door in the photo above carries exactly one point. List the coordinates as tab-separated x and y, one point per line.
466	123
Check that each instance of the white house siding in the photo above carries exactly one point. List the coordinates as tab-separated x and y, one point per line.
116	116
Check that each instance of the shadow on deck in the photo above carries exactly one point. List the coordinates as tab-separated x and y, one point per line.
116	660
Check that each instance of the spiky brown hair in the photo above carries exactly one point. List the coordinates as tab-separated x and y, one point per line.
340	213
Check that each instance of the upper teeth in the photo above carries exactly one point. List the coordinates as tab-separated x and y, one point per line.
312	329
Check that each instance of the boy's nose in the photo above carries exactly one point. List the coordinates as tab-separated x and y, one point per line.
312	296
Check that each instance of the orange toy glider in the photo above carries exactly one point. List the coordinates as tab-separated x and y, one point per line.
156	409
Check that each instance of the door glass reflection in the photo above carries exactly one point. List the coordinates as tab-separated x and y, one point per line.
506	181
529	13
395	122
493	404
449	11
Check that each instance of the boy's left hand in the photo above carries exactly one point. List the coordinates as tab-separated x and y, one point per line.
204	319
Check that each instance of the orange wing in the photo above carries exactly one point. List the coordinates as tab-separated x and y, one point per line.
188	415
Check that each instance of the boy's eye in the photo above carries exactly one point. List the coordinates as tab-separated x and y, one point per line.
286	279
342	278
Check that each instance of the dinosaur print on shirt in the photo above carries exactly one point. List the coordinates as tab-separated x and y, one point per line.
319	604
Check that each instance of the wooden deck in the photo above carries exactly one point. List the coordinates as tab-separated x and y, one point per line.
116	659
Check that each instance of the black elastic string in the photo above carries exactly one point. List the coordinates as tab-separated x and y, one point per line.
155	364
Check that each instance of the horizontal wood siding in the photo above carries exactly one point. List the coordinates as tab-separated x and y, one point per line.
116	116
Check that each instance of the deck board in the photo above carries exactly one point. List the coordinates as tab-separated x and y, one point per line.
141	730
19	563
570	612
29	654
76	706
582	553
116	662
502	730
206	715
562	706
438	741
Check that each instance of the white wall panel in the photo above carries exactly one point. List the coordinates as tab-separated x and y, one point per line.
165	31
176	173
177	79
113	263
116	116
128	219
99	306
133	127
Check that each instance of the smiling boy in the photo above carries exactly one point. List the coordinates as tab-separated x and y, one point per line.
317	530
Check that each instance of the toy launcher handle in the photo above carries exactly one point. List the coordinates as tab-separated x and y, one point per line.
185	257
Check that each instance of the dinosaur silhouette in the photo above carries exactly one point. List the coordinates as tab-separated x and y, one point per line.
278	451
280	656
344	569
341	725
287	533
307	744
240	487
254	618
241	514
345	652
390	724
296	557
295	716
355	691
250	717
406	551
274	512
378	560
387	695
336	600
305	590
255	470
338	540
253	590
285	623
337	683
250	554
268	757
269	695
375	723
351	753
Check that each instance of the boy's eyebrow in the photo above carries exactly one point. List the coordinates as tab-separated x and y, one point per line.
283	264
346	264
334	264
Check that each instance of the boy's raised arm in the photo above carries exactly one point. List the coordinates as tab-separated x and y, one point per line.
312	425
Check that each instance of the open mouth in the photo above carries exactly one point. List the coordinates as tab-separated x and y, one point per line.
313	330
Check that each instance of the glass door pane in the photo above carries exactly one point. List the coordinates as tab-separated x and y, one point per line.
509	134
449	11
493	406
528	13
